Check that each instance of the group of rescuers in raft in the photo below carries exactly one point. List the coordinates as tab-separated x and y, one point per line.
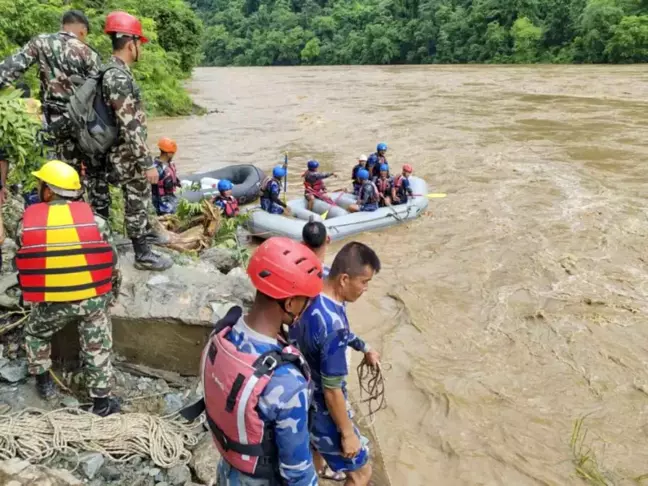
373	185
274	379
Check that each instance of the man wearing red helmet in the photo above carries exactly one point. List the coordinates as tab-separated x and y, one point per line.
256	385
401	189
130	159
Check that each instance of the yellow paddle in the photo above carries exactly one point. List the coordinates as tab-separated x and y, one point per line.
432	195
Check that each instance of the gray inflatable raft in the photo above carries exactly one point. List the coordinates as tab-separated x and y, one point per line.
339	223
246	179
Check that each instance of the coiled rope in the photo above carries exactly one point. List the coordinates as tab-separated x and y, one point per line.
36	435
372	389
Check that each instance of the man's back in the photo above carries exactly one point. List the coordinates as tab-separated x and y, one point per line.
59	56
284	405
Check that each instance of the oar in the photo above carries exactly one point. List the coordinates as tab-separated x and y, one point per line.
432	195
285	176
335	203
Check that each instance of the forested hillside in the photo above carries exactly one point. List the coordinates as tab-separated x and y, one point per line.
174	29
289	32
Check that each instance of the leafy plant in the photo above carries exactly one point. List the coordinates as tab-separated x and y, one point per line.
226	237
20	138
187	210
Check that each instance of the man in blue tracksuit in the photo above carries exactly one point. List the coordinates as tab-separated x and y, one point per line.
323	335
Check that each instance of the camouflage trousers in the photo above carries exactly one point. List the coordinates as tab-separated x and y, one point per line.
95	181
95	334
138	207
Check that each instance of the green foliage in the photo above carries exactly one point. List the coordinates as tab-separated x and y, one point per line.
174	29
290	32
19	138
226	237
187	210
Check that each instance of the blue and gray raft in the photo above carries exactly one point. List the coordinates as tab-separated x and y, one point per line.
339	222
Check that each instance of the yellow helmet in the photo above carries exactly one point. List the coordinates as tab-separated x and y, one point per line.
62	178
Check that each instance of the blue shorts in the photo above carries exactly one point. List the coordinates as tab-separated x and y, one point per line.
326	439
369	207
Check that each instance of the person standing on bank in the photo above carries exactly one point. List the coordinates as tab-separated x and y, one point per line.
60	57
323	335
256	385
68	270
130	156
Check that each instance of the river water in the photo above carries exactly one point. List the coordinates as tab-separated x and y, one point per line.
512	308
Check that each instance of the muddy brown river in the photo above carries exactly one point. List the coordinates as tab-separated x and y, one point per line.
516	306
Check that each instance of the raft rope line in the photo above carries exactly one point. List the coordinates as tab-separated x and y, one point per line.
36	435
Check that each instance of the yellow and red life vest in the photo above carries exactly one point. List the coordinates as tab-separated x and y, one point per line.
63	257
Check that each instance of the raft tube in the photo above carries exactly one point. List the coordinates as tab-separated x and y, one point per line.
246	179
339	223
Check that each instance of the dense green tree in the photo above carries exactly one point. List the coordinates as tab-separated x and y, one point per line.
264	32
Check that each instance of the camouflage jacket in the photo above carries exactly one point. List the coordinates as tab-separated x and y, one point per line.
59	56
106	234
130	154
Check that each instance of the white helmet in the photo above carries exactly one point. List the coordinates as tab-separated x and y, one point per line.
362	158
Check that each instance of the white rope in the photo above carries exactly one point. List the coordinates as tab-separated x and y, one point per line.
36	435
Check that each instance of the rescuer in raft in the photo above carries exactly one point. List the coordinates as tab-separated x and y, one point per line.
164	198
224	199
402	189
377	159
368	196
314	183
257	386
68	270
323	335
384	184
270	191
362	164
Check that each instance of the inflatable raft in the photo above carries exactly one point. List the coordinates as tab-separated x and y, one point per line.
246	179
339	222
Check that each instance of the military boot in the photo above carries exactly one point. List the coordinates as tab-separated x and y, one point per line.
146	259
157	238
104	406
45	386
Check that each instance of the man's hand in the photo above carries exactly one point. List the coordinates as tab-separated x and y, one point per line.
350	444
372	357
152	175
287	211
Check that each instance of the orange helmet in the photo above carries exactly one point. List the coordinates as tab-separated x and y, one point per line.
167	145
124	23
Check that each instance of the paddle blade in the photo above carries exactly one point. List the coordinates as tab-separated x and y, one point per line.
325	214
436	195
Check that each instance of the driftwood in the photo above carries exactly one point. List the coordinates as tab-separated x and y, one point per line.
141	370
194	235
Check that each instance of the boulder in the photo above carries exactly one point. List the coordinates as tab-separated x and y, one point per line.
90	463
224	259
204	460
13	371
178	475
16	472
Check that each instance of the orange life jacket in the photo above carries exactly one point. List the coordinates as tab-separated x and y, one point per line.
63	257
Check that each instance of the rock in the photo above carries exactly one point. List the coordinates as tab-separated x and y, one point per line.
159	477
14	371
181	293
110	473
16	472
90	463
204	460
163	483
223	259
136	461
154	471
172	403
179	475
70	402
161	386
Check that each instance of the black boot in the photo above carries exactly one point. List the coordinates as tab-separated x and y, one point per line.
104	213
157	238
145	259
45	386
105	406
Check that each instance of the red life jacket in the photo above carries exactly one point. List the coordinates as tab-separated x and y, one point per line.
169	178
231	205
317	186
233	382
383	185
63	257
398	181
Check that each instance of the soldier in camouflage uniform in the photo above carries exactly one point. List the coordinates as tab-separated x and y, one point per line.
130	159
62	58
59	183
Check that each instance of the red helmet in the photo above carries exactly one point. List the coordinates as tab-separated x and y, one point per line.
282	268
124	23
167	145
408	168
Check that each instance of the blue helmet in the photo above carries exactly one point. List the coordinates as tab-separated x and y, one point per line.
313	164
381	147
225	185
363	174
278	172
384	168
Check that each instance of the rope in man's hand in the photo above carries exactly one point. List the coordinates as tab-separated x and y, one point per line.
372	388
